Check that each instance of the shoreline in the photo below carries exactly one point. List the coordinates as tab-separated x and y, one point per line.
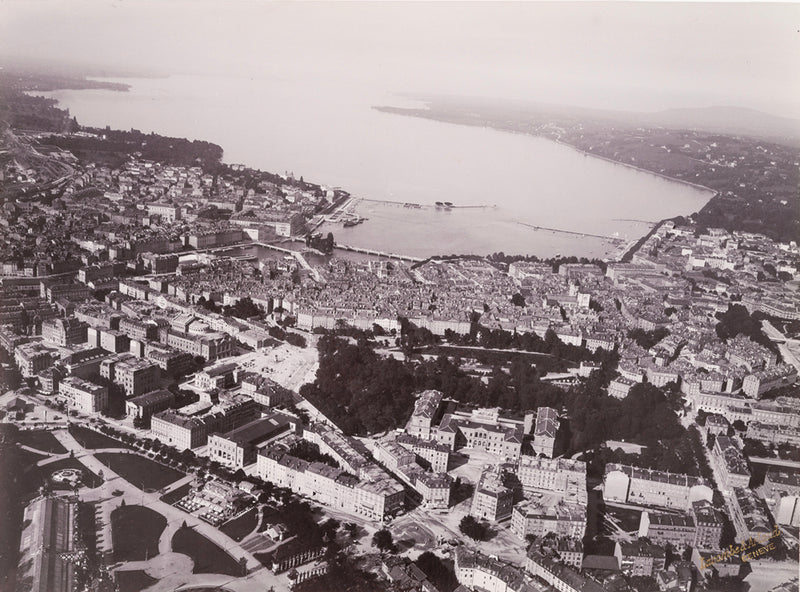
616	256
388	109
714	192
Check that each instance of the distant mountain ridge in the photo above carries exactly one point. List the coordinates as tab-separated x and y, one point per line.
729	120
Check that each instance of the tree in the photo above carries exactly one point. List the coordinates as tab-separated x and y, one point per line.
473	529
518	300
440	575
384	541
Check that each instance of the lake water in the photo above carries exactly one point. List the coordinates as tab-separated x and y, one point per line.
329	134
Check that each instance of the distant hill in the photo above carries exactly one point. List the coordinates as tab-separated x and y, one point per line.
737	121
728	120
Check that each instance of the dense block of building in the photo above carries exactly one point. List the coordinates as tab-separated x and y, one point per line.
475	571
64	332
433	488
338	489
558	575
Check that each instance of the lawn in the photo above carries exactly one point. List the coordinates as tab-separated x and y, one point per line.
133	581
135	531
43	440
139	470
34	476
88	438
207	556
240	527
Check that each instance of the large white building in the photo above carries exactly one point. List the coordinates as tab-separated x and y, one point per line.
560	475
648	487
82	395
136	376
540	517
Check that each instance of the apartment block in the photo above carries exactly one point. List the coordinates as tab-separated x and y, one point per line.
430	453
708	525
545	431
82	395
749	514
374	499
31	358
561	475
136	376
757	384
648	487
639	558
179	431
237	448
425	415
730	464
64	332
492	500
540	517
661	528
144	406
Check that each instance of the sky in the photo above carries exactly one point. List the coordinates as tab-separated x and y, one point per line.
640	56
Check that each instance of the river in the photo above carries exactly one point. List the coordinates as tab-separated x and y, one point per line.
329	134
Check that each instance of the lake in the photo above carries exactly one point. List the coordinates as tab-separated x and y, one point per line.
329	134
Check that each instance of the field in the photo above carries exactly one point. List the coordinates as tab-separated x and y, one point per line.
88	438
133	581
139	470
40	440
135	531
240	527
207	556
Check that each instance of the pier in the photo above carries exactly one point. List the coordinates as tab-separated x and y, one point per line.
415	206
573	232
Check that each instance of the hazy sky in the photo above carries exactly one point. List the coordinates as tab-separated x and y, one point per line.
641	56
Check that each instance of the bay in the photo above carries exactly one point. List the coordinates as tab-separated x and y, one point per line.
328	133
